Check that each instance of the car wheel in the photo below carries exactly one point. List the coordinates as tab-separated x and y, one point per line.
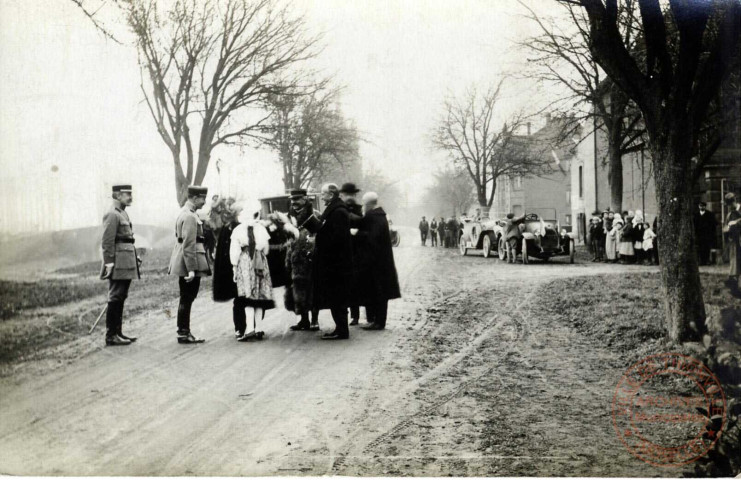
524	252
462	246
487	244
572	247
502	249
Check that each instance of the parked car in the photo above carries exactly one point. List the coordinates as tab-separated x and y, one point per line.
282	203
541	238
480	234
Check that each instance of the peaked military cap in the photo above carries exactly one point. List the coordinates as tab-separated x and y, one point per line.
122	188
196	190
297	192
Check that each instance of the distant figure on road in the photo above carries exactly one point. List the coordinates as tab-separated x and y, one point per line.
433	231
705	226
441	232
189	260
333	262
596	236
512	235
451	231
250	245
348	194
424	228
381	284
732	231
120	263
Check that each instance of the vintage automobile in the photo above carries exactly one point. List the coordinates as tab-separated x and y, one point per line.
541	238
282	203
480	234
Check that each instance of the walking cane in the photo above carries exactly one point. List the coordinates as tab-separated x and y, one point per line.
98	319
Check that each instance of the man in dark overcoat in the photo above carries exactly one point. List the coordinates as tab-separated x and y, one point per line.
120	263
333	262
348	194
705	226
223	287
382	283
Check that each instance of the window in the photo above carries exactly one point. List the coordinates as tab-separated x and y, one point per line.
518	182
581	181
568	219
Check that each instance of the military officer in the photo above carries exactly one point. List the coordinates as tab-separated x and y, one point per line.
120	262
189	260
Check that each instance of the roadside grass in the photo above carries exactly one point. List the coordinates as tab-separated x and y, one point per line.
47	313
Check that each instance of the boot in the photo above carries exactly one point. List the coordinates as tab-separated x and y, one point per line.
183	319
119	316
111	321
116	341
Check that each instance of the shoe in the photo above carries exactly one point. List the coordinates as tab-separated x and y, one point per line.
247	337
300	326
116	341
189	338
372	326
334	336
354	321
130	339
238	334
314	327
260	335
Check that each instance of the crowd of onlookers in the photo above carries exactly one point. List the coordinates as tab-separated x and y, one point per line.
441	232
622	237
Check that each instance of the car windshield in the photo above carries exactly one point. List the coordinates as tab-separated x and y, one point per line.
545	214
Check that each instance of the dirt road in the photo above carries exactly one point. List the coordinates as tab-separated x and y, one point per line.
466	380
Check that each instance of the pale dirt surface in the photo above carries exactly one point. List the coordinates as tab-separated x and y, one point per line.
466	380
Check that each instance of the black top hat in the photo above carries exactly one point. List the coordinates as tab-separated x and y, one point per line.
297	192
349	188
122	188
197	191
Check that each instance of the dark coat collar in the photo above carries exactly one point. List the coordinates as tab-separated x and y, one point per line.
333	205
378	211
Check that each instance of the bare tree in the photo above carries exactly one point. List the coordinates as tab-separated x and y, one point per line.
91	10
213	63
467	132
452	191
562	57
673	84
309	133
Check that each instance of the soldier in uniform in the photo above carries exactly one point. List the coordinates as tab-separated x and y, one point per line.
120	263
189	260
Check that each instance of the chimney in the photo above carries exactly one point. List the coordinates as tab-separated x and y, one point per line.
528	129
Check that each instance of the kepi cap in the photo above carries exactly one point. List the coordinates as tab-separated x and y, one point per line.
197	190
297	192
122	188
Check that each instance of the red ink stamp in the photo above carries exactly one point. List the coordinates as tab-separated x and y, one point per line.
668	409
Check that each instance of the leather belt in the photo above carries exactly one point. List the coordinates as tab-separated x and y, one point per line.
124	240
198	240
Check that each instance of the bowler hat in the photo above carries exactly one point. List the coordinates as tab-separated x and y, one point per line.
510	215
349	188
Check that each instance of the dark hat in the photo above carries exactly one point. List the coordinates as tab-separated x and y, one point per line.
197	191
122	188
349	188
510	215
596	213
702	204
297	192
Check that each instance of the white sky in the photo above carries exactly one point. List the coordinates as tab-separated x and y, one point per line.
69	97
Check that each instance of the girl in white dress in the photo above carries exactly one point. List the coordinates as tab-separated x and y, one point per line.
248	250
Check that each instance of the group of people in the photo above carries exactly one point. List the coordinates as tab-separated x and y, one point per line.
338	259
625	238
441	232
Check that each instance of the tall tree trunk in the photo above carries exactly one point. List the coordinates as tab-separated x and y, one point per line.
204	157
181	182
481	196
680	275
615	170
